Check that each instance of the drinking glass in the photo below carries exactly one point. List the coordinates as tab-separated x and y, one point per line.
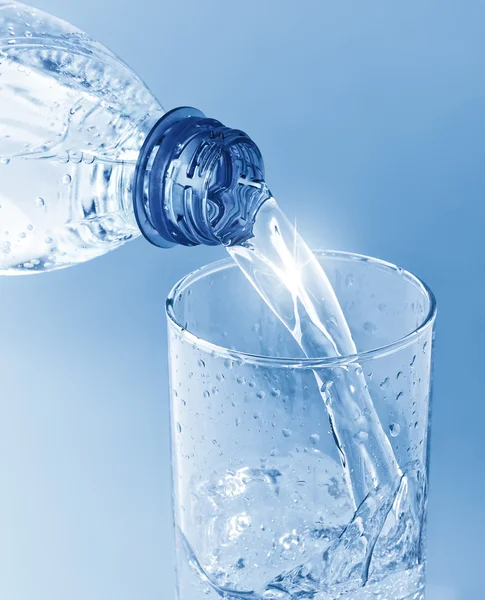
262	491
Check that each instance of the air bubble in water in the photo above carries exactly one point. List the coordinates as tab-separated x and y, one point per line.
361	437
63	157
66	179
75	156
394	429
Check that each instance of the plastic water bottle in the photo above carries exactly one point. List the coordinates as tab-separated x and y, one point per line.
89	159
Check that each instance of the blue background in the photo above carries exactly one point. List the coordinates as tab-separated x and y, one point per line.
371	120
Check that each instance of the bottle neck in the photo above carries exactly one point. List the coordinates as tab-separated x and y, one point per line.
197	182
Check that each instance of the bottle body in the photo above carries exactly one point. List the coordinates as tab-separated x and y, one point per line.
73	119
90	160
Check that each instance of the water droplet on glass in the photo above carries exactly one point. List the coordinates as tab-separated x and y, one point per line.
252	384
39	201
314	438
4	161
201	364
260	395
413	361
358	370
238	421
425	345
349	280
241	563
179	428
28	34
257	415
219	377
369	327
23	235
286	432
382	307
11	42
30	227
241	380
48	240
228	363
394	429
66	179
399	374
384	384
206	394
275	392
399	395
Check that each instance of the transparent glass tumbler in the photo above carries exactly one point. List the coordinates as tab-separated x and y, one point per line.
262	501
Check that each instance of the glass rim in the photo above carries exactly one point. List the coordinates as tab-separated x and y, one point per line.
301	363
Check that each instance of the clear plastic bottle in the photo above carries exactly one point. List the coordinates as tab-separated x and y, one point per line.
89	159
